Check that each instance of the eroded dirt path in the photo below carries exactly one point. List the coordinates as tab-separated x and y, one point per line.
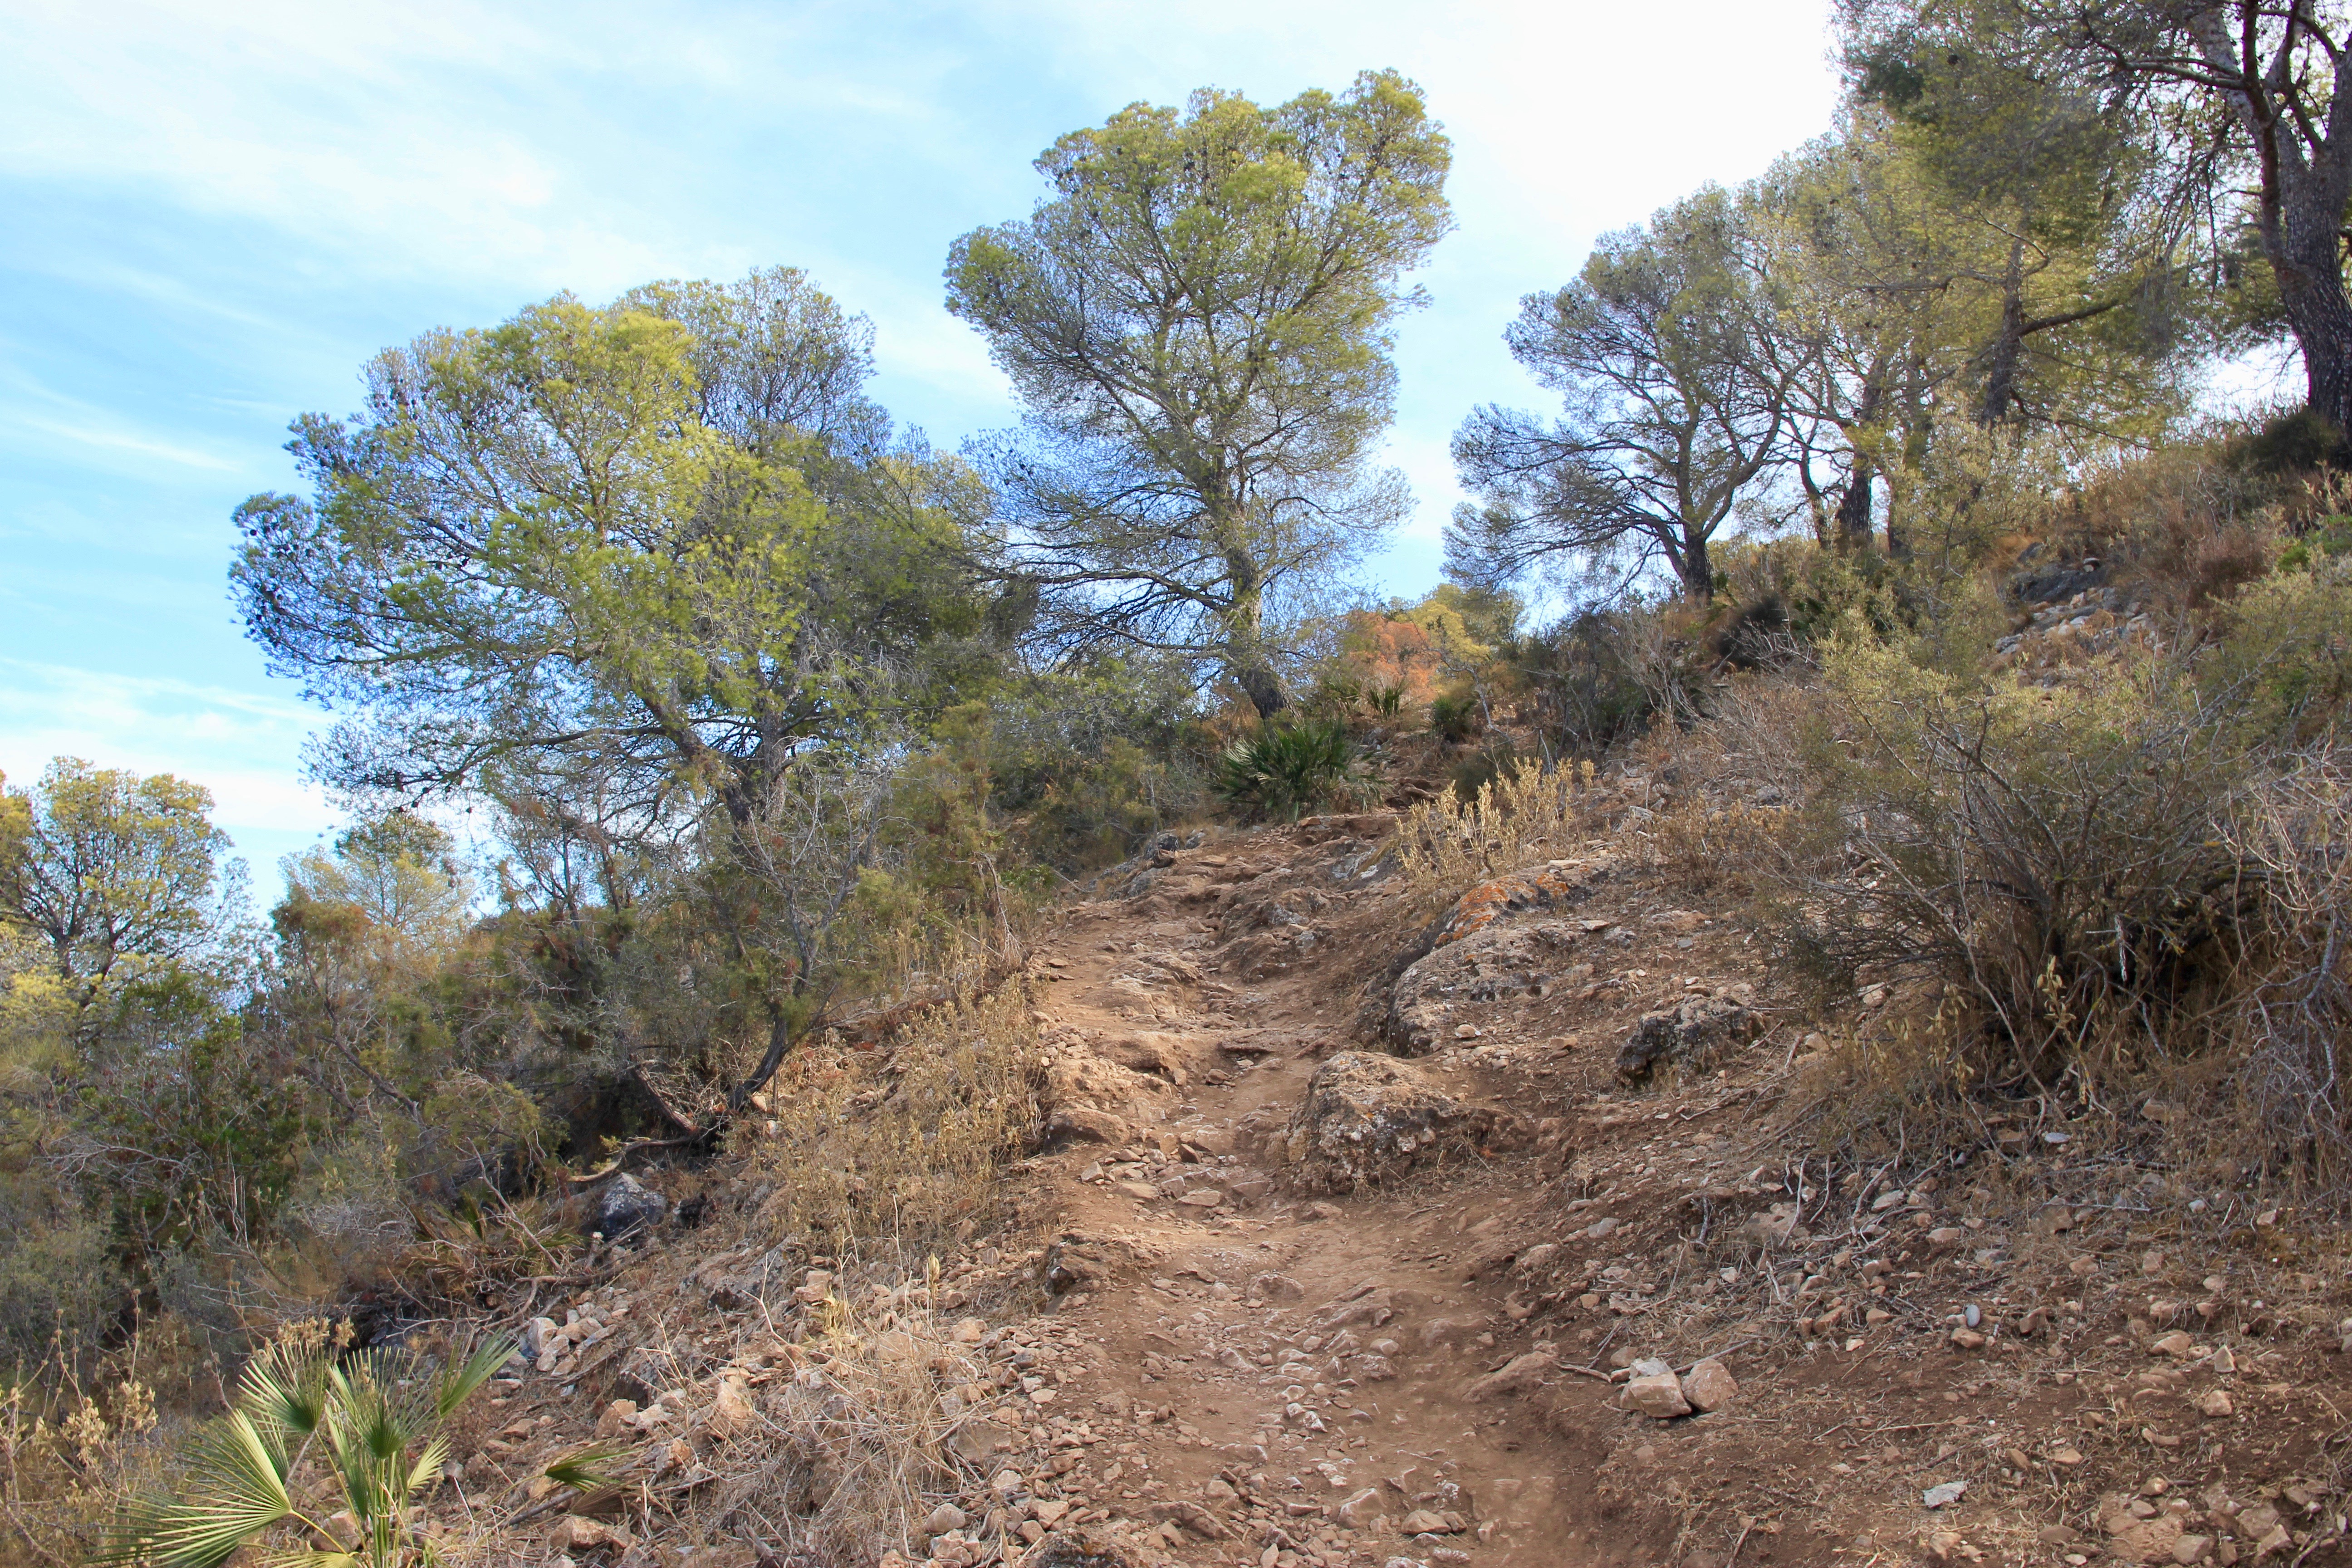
1272	1376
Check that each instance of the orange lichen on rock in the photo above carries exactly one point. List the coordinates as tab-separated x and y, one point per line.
1490	900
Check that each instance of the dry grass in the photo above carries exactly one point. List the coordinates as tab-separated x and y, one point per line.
1446	845
835	1440
901	1147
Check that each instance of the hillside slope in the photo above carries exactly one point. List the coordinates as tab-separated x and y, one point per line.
1277	1295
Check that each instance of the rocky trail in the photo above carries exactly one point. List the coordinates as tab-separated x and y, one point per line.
1356	1239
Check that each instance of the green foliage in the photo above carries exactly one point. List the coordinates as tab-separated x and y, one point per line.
1454	717
1199	320
2056	855
107	866
379	1417
1282	770
2326	539
1088	763
534	548
2283	665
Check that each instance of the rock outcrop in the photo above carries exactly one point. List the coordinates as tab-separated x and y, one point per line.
1366	1116
1493	963
1088	1099
627	1205
1696	1034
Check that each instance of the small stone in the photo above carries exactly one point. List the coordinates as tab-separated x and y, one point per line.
2058	1535
1710	1386
1422	1521
1465	1032
968	1331
2174	1344
1945	1494
1202	1198
731	1411
942	1519
1947	1235
617	1415
2189	1549
1359	1511
1601	1227
1660	1396
2216	1401
1968	1339
1278	1288
1143	1192
2065	1456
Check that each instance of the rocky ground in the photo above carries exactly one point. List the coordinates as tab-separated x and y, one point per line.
1361	1239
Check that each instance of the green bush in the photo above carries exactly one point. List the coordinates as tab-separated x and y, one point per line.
2056	858
1454	718
1284	770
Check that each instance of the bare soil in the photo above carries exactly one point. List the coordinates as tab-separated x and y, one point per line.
2109	1365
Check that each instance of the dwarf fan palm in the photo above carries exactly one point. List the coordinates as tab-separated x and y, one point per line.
379	1414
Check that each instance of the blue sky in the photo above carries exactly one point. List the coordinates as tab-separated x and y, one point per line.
215	213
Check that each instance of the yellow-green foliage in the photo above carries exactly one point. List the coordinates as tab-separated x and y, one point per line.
2054	853
900	1148
2285	661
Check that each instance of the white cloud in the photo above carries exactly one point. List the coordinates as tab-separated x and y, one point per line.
245	747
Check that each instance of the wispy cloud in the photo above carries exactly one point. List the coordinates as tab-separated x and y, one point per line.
244	746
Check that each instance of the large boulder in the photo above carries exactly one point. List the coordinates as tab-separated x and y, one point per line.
625	1204
1090	1099
1493	963
1367	1116
1696	1034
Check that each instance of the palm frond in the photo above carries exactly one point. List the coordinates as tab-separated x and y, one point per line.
283	1389
459	1385
427	1468
231	1492
582	1470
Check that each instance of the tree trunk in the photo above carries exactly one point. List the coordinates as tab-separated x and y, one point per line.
2306	178
2000	361
1698	571
1854	507
2311	287
1245	656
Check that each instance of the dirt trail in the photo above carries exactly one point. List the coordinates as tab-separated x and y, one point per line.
2009	1351
1205	1342
1313	1356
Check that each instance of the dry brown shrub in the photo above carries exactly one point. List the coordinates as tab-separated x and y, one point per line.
2286	1025
1447	844
855	1433
1709	846
2181	526
903	1146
